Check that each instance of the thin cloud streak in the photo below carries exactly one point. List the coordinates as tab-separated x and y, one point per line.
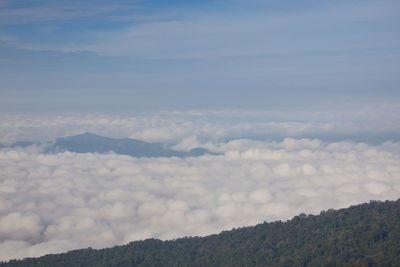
251	58
43	12
225	35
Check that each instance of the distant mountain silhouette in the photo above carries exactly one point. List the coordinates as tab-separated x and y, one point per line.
93	143
22	144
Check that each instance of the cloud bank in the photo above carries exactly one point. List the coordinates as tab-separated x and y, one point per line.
55	203
186	128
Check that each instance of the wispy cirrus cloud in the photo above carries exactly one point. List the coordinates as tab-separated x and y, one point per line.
23	12
220	34
227	57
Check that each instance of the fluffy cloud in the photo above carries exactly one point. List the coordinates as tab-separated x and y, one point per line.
59	202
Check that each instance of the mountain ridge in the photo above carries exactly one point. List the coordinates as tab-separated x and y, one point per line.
92	143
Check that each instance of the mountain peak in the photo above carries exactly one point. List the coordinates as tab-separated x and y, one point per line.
86	134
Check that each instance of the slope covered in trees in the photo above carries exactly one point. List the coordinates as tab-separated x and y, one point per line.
363	235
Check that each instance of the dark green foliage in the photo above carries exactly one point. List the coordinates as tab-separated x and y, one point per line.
364	235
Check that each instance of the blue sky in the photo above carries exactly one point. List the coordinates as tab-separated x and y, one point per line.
174	55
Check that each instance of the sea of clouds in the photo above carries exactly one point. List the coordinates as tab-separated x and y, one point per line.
53	203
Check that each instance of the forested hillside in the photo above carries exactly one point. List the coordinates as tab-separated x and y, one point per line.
363	235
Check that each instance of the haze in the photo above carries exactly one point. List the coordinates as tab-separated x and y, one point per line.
296	101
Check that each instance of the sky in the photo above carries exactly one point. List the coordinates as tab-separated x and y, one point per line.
300	100
179	55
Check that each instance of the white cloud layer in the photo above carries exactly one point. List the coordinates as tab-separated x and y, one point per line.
55	203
